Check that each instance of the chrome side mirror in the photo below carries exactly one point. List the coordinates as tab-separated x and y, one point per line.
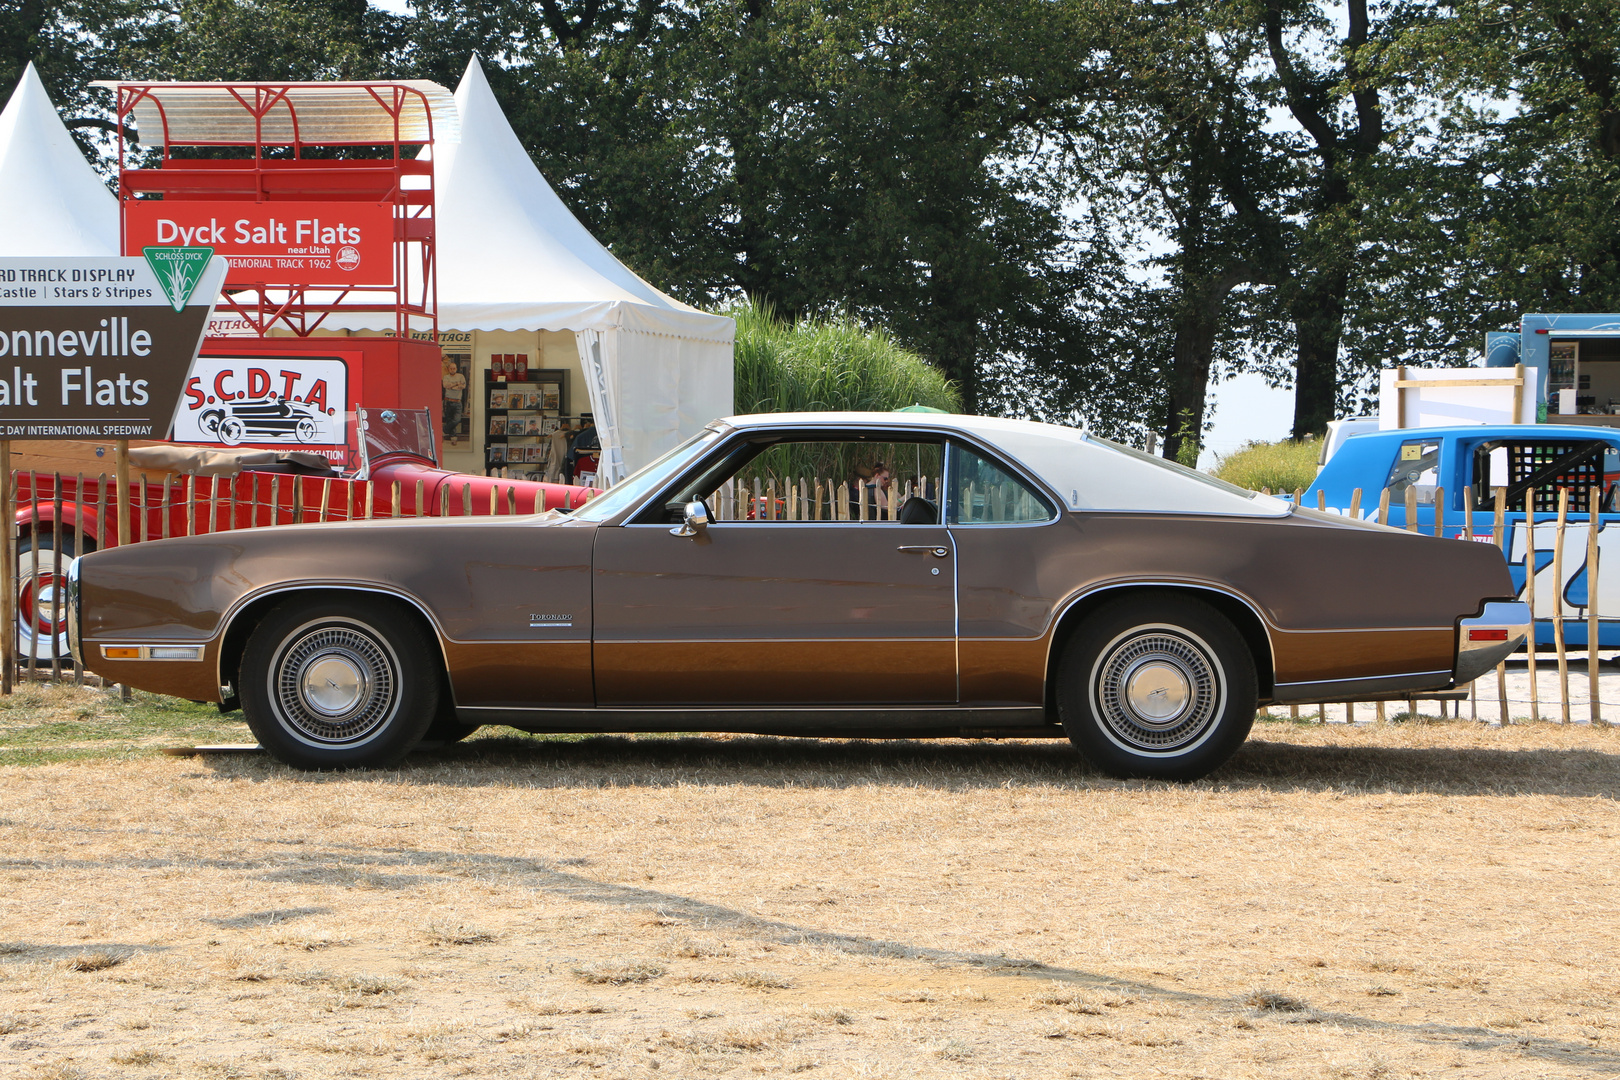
696	522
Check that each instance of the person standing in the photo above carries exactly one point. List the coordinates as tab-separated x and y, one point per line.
557	449
455	392
586	449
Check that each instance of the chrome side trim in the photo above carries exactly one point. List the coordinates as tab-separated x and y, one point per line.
828	721
1364	678
1364	688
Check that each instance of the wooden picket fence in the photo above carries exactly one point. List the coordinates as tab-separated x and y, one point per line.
1564	673
81	514
40	507
807	499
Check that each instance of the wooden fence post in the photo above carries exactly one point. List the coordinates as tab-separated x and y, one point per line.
56	575
121	472
1411	508
1594	500
1499	535
8	616
1530	599
1558	605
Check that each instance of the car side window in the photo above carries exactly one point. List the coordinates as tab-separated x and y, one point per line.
984	493
1533	472
822	478
1417	466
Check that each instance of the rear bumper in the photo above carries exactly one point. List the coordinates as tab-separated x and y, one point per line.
1486	641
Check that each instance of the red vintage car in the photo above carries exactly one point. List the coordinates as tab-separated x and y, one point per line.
185	490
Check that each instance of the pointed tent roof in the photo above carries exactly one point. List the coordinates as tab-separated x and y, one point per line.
511	256
55	203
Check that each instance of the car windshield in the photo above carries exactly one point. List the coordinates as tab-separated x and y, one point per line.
397	431
641	483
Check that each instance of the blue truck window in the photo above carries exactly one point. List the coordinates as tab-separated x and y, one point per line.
1417	465
1534	470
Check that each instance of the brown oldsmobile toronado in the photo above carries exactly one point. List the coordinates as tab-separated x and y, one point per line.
825	574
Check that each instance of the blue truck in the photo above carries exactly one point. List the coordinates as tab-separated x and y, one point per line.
1454	473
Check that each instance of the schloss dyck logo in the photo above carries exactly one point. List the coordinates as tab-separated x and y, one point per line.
178	270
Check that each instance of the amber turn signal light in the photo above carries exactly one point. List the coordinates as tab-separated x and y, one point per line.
121	652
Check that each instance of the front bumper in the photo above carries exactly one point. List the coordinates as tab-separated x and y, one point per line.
1486	641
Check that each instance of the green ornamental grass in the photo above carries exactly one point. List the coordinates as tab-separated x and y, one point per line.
1284	466
816	365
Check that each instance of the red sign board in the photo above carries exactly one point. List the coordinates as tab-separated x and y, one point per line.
300	243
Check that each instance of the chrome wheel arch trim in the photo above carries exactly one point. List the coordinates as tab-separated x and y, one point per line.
1063	609
228	620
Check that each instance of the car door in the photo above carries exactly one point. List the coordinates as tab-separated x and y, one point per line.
788	601
1013	553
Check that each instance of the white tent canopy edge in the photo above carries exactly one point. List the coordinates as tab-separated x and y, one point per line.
511	256
55	204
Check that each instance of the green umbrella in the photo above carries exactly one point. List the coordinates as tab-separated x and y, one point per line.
920	408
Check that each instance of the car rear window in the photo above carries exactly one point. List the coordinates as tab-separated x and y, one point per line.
1089	473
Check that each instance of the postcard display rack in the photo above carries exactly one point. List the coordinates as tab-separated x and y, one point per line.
522	407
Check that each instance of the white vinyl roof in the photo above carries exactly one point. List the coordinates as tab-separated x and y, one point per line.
511	256
53	201
1086	473
351	113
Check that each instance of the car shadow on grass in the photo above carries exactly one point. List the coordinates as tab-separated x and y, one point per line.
499	759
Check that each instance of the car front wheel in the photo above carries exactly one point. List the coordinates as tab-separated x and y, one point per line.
1159	686
340	683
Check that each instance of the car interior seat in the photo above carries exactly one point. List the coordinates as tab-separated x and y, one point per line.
918	511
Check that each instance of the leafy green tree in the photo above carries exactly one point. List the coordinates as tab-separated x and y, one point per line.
1510	202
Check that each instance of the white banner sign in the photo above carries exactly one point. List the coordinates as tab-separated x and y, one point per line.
293	401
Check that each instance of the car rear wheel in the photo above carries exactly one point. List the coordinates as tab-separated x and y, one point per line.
341	683
1159	686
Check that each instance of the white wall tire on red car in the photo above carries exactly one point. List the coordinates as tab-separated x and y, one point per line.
1157	686
37	585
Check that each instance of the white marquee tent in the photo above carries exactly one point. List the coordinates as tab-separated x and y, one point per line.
54	202
512	257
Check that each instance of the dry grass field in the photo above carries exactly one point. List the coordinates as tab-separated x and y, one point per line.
1420	899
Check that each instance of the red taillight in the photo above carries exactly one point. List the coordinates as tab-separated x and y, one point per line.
1481	634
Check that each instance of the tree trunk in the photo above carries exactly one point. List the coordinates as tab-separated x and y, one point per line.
1318	326
1193	352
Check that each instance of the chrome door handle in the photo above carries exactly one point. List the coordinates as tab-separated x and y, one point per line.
929	549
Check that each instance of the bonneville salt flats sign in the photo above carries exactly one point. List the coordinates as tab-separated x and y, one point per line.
100	347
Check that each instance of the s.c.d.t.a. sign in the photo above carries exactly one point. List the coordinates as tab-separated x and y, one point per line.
100	347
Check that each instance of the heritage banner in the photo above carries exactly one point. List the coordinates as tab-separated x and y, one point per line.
99	348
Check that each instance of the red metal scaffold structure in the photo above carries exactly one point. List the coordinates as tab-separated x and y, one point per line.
280	124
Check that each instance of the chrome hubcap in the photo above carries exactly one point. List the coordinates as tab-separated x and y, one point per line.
1158	689
335	683
1157	692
